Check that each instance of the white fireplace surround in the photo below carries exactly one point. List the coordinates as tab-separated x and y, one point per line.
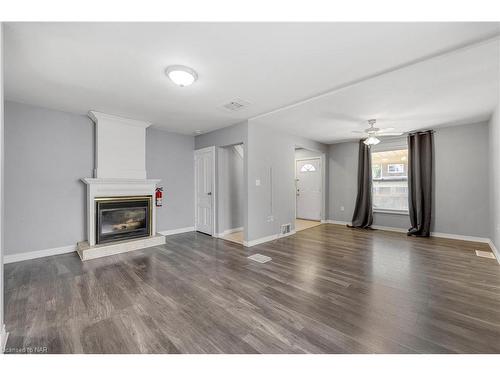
111	187
120	170
120	146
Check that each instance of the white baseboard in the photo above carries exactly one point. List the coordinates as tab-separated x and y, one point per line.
176	231
261	240
460	237
390	229
337	222
4	336
11	258
495	250
433	234
228	231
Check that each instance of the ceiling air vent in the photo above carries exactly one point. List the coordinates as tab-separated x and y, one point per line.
235	105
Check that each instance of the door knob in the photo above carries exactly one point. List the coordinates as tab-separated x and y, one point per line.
209	193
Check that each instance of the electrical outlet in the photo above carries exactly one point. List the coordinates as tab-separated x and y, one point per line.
341	208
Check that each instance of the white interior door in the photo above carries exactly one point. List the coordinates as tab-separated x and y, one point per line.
308	189
204	190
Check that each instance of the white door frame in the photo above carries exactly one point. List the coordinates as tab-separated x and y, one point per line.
322	159
210	149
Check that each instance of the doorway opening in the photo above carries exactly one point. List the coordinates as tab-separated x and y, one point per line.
231	193
309	188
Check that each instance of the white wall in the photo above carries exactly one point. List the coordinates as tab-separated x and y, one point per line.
461	175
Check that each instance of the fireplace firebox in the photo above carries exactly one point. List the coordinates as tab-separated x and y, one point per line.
123	218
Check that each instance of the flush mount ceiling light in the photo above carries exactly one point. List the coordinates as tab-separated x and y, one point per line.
181	75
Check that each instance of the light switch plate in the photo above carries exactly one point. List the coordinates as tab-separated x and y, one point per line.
257	182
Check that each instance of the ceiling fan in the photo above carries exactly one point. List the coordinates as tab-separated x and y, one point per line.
372	132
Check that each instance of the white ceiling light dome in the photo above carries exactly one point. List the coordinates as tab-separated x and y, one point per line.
181	75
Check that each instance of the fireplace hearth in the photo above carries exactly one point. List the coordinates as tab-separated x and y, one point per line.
122	218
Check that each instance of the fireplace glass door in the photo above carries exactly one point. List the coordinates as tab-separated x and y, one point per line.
122	218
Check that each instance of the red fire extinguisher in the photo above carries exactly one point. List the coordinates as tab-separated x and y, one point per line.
159	196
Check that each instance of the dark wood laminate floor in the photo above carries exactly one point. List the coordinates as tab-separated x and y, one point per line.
328	289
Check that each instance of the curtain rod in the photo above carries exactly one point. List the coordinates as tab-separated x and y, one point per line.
432	131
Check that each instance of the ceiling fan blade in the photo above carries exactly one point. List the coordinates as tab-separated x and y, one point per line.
389	134
385	130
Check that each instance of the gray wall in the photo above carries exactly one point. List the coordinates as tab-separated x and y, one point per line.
268	151
264	149
231	135
169	157
343	167
2	336
494	170
461	180
303	153
461	175
46	154
231	189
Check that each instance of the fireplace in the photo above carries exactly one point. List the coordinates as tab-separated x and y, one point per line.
123	218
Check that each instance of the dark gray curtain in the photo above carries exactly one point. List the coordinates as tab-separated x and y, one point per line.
420	164
363	212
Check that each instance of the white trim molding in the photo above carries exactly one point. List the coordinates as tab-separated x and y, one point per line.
390	229
495	250
4	336
272	237
228	231
11	258
336	222
433	234
170	232
460	237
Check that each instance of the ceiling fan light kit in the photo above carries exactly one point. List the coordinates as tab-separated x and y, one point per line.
371	140
373	133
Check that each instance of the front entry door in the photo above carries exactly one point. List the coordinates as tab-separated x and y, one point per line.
308	190
204	171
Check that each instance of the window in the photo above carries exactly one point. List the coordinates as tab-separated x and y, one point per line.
395	168
308	168
390	180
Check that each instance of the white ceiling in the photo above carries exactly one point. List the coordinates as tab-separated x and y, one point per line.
118	68
454	89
